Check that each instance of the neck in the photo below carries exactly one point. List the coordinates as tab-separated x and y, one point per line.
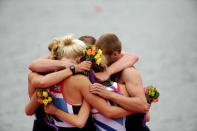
69	60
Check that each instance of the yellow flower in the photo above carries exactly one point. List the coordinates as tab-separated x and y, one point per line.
84	51
99	52
49	99
98	61
45	94
45	101
97	56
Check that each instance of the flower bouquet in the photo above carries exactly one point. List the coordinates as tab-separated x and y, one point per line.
92	53
152	94
44	97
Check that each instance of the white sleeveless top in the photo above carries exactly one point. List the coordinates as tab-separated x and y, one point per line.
103	123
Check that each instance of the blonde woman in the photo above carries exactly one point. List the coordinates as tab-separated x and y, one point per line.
36	80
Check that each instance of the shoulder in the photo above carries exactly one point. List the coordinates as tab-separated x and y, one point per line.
130	74
130	71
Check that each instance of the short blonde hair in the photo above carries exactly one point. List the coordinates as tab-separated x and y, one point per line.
66	47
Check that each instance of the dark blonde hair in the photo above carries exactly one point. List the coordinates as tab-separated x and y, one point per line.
110	42
54	48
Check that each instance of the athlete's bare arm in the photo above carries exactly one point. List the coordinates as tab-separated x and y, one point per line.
136	102
95	101
44	64
79	120
127	60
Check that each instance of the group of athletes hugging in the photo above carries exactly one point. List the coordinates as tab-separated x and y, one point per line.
78	103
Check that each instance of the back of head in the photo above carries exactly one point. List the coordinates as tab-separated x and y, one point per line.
54	48
72	48
110	42
67	47
88	40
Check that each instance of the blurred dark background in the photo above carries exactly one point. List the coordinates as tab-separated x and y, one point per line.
162	32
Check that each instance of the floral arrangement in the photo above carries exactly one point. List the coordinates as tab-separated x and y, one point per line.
92	53
43	96
152	94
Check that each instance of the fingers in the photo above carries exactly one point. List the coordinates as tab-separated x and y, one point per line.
95	91
46	108
96	88
85	65
97	85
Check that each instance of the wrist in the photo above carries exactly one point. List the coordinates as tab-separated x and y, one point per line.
108	72
56	112
111	96
77	69
108	95
73	69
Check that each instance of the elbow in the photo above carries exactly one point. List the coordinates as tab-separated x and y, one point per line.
31	66
28	112
135	57
80	124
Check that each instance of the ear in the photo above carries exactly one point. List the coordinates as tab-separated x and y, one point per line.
78	59
116	54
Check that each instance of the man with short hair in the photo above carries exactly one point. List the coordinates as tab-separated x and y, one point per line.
111	46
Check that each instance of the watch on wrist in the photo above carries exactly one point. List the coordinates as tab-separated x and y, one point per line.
72	68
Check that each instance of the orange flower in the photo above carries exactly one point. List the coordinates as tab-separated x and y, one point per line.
39	100
94	47
155	100
93	52
89	52
38	94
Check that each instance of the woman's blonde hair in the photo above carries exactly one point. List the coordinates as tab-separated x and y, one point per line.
66	47
71	49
